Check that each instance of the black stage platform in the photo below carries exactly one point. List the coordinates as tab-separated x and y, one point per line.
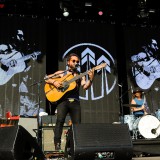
142	149
149	146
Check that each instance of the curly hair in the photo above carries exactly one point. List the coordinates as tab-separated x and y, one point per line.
72	54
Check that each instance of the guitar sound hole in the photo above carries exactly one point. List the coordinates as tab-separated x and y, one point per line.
65	86
13	63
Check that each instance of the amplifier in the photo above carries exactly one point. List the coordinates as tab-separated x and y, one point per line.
48	138
48	124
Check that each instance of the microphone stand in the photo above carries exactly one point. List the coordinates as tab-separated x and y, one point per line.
38	120
38	84
121	100
57	75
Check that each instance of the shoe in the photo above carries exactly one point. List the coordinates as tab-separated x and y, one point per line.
57	146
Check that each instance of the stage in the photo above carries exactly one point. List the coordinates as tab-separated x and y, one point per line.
53	156
143	149
83	140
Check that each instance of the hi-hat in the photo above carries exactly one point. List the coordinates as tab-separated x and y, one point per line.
131	105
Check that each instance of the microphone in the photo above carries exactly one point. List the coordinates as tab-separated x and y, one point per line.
77	65
131	89
46	77
120	85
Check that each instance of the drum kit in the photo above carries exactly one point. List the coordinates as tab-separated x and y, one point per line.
145	127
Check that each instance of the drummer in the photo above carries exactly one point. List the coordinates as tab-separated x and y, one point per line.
138	108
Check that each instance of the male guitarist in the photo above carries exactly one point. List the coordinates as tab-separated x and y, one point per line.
69	103
146	65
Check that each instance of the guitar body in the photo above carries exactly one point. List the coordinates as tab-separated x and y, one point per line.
149	73
11	67
53	94
142	80
13	63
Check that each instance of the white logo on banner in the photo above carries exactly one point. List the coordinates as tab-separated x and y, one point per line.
89	57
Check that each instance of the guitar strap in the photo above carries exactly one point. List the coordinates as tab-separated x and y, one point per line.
76	88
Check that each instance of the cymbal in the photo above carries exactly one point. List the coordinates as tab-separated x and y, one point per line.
131	105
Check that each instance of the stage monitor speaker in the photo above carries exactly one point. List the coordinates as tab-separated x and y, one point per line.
17	143
30	124
99	141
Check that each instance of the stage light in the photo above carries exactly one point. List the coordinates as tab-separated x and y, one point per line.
88	4
65	12
64	9
143	14
100	13
2	5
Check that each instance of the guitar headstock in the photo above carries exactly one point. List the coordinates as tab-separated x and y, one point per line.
100	66
37	53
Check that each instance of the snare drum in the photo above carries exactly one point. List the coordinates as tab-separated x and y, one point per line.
148	126
129	119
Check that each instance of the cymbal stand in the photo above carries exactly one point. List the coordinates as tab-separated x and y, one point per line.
121	100
55	75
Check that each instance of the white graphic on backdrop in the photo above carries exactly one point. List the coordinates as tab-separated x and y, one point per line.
146	65
15	55
90	58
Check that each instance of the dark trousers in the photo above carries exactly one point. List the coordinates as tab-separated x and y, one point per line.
66	107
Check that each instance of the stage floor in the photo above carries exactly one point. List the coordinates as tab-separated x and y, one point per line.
146	158
143	149
53	156
137	158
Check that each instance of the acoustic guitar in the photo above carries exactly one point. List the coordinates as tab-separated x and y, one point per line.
68	84
13	63
147	74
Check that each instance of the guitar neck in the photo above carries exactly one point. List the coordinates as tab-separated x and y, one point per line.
85	73
30	56
27	57
78	77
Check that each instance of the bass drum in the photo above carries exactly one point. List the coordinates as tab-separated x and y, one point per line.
148	126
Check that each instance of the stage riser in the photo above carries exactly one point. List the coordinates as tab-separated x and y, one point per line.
147	146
